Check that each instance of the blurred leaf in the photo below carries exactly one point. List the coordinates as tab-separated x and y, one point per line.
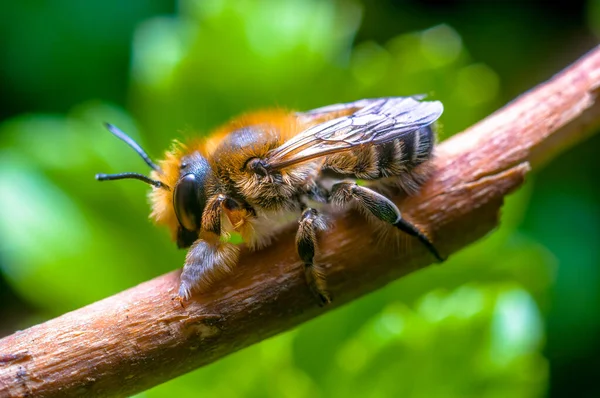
62	233
56	53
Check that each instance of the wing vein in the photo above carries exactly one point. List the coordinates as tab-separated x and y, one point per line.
375	121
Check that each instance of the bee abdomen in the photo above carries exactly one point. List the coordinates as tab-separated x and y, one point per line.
395	158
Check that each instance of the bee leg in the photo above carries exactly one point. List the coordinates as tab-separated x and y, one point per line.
306	243
377	205
207	261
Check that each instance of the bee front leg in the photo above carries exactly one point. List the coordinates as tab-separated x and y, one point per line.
306	243
382	208
207	261
209	258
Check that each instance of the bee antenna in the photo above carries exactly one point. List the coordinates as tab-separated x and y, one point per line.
135	176
136	147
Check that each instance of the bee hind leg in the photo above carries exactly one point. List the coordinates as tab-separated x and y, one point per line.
377	205
306	243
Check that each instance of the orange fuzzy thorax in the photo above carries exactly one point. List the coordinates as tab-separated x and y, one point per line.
283	122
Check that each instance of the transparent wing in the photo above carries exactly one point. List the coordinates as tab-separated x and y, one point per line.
364	122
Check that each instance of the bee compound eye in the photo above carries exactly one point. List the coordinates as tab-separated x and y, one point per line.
189	200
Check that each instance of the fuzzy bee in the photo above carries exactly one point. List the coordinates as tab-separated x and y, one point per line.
261	170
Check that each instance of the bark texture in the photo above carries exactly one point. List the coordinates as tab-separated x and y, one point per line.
141	337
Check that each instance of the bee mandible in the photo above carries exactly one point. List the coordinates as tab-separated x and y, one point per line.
259	171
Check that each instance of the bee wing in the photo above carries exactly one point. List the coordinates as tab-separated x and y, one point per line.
364	122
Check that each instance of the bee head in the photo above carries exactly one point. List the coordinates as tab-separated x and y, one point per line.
180	197
189	196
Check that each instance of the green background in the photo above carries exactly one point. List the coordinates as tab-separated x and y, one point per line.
514	315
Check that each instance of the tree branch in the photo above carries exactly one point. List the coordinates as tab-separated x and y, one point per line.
142	337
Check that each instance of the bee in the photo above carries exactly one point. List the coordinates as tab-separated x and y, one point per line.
262	170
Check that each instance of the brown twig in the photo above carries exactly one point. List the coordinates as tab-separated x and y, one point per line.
142	337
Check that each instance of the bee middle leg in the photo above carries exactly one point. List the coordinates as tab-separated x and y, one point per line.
306	243
382	208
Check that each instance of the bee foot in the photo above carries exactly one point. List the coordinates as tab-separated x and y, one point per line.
323	297
184	293
180	299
